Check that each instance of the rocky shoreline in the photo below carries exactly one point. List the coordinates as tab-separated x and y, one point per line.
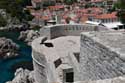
23	76
28	36
16	27
8	48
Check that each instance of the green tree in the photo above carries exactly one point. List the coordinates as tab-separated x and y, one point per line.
27	16
120	7
69	2
3	21
14	7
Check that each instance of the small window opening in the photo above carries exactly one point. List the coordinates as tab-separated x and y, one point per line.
57	62
48	44
68	76
77	56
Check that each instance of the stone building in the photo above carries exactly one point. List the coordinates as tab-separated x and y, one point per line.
56	58
62	55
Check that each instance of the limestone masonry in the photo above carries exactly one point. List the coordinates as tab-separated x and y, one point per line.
102	55
79	54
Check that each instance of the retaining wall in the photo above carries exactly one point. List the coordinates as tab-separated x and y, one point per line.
39	63
114	80
44	70
98	61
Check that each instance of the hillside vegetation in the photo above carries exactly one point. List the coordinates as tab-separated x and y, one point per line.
120	6
15	9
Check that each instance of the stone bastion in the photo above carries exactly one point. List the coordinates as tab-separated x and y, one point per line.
59	57
58	30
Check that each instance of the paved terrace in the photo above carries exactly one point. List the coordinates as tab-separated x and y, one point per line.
61	48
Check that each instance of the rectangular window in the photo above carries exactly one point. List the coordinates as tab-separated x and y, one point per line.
68	76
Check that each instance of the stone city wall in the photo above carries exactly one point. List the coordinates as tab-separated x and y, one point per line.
68	30
114	80
75	64
99	62
43	69
39	63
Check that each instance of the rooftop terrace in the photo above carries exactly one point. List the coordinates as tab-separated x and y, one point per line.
62	46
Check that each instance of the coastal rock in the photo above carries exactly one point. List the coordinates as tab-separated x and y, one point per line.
14	27
8	48
18	27
28	36
23	76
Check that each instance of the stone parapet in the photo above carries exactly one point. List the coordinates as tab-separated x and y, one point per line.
58	30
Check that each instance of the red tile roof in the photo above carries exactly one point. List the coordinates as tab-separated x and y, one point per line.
57	7
94	1
107	16
29	7
36	1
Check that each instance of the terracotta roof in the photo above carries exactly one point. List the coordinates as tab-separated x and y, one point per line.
89	15
57	7
42	17
29	7
93	10
36	1
45	17
96	1
107	16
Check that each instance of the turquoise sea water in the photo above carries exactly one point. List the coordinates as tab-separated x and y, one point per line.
9	66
